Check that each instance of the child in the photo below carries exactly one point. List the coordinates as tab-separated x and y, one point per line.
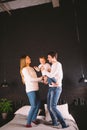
47	67
43	64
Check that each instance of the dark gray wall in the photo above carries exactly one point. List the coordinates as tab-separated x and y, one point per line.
36	31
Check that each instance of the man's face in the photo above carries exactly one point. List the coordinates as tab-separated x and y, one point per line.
50	59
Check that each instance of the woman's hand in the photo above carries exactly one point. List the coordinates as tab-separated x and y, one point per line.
45	79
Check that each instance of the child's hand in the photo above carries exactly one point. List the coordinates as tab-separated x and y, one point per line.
36	68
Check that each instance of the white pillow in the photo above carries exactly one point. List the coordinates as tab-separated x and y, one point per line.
40	117
62	108
23	110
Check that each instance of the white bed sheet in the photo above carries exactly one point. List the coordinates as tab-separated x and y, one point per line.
19	122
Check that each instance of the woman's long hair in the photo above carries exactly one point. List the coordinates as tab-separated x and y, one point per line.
22	65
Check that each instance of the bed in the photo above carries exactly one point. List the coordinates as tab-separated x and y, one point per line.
20	118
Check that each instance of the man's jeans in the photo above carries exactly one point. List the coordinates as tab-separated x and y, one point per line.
34	100
52	100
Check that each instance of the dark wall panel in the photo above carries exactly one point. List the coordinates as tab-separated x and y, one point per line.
37	30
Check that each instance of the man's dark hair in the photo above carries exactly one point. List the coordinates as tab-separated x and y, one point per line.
53	54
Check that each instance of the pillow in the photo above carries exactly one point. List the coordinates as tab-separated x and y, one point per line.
62	108
41	117
23	110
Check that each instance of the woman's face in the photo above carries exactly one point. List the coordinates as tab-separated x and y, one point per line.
28	60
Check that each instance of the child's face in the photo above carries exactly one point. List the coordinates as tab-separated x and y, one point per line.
42	60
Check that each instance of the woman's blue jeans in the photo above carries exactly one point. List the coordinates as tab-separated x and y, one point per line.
52	101
34	100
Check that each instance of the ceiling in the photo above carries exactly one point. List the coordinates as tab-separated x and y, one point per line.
8	5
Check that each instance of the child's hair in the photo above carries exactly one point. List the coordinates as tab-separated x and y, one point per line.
42	57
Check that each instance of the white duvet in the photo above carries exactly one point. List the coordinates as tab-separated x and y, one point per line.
19	122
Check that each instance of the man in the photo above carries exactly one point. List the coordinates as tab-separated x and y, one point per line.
55	89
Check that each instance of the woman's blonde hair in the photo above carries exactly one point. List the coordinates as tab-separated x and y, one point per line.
22	65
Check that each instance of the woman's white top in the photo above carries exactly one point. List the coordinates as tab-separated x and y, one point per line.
30	78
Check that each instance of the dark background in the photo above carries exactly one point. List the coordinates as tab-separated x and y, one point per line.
37	30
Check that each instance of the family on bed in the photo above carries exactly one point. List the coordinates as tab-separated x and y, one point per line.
51	75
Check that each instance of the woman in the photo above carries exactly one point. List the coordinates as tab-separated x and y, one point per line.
30	79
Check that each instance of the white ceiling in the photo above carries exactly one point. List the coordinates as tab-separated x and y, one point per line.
17	4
